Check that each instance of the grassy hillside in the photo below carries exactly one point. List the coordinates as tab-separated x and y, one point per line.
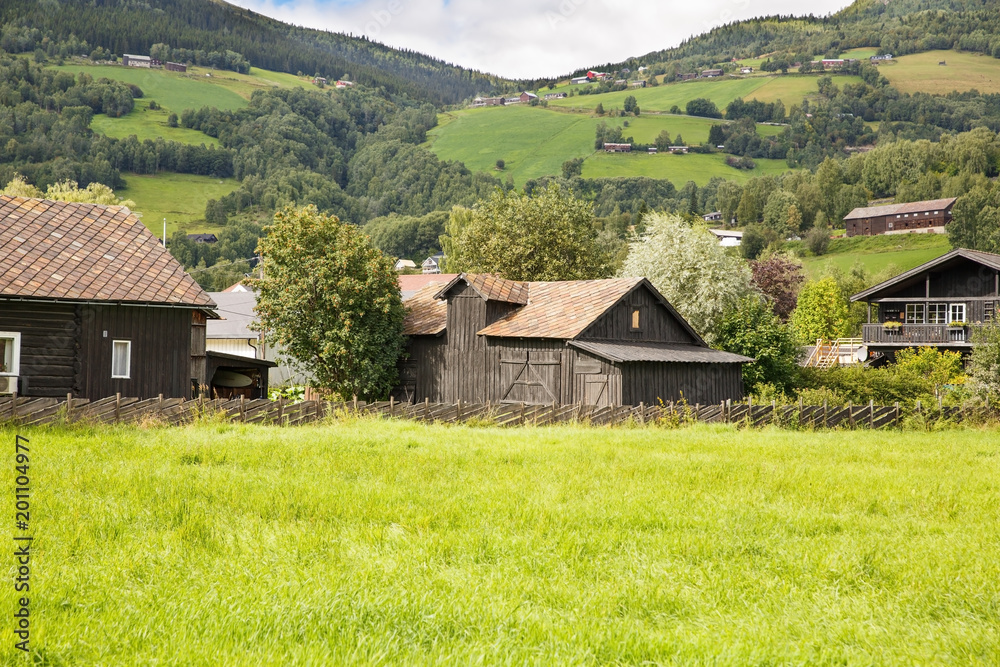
399	543
677	168
534	142
920	72
146	123
790	89
878	254
180	198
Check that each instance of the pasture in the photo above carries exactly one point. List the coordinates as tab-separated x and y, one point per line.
534	142
920	72
679	169
879	255
180	198
383	542
146	123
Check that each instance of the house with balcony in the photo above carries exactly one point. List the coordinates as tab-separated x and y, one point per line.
938	303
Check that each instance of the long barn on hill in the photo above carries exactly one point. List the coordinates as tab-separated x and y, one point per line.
481	338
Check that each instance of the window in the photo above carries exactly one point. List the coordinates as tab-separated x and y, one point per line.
957	312
636	321
891	224
914	313
10	353
121	359
937	313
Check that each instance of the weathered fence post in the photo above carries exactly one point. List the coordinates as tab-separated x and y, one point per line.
355	403
392	406
850	413
458	418
826	423
897	415
281	409
871	413
243	414
69	407
642	412
522	413
13	406
427	407
118	406
159	405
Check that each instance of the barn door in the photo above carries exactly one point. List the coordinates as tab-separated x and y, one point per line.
530	376
406	390
602	389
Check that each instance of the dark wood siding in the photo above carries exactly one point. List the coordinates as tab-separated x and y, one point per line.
528	370
465	351
694	383
656	324
49	361
160	354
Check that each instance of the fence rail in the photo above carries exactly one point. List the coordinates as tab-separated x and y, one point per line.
174	411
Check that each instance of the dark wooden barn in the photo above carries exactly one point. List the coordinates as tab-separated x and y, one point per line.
899	218
600	342
92	305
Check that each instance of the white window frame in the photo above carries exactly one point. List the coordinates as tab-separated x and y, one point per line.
128	360
937	313
911	313
15	356
952	310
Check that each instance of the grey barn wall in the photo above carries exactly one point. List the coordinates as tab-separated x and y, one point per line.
657	325
693	382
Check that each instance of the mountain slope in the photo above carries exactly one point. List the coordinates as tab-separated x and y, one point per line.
124	26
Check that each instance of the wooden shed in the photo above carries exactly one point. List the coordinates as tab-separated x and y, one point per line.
92	305
600	342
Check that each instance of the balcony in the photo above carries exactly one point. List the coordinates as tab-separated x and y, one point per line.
916	334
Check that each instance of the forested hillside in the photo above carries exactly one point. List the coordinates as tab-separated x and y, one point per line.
123	26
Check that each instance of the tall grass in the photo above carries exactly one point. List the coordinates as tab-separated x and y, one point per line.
377	542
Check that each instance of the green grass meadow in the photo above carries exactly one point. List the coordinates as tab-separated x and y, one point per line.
920	72
535	142
878	254
180	198
146	123
384	542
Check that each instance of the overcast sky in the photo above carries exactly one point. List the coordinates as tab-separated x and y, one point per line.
528	38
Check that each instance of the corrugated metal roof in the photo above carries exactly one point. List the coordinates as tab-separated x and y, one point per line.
237	312
87	252
661	352
899	209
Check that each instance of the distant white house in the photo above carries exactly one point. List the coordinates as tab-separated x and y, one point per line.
728	238
714	216
130	60
404	264
577	80
432	264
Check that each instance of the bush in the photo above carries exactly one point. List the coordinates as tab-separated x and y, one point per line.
818	240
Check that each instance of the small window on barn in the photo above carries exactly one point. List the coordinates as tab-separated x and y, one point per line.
10	352
636	319
121	359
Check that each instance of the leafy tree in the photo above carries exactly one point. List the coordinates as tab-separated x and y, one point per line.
331	300
459	219
728	196
663	141
818	240
755	240
412	237
984	363
95	193
976	221
599	109
172	120
751	329
687	265
778	278
501	164
703	107
777	212
821	312
572	168
548	235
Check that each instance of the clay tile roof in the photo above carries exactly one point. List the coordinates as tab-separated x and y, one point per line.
561	309
426	315
899	209
87	252
491	288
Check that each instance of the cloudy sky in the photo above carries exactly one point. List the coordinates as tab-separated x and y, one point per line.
528	38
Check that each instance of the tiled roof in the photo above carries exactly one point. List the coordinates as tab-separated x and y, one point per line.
426	315
410	285
899	209
561	309
87	252
665	352
492	288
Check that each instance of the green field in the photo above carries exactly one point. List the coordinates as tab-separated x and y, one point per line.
790	89
180	198
679	169
535	142
375	542
920	72
146	123
879	255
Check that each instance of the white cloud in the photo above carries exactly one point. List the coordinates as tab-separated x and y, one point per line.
527	38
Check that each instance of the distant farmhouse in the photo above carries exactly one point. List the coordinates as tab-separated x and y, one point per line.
687	77
638	84
876	59
343	84
432	264
920	216
617	148
709	73
728	238
488	102
203	238
130	60
577	80
527	97
833	63
175	67
746	70
555	96
600	342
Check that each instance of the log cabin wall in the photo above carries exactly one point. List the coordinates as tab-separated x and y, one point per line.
49	358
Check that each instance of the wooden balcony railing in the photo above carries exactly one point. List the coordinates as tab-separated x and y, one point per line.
916	334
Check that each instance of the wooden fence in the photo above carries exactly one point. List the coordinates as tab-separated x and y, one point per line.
172	411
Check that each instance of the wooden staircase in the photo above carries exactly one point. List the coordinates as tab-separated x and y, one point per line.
828	354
